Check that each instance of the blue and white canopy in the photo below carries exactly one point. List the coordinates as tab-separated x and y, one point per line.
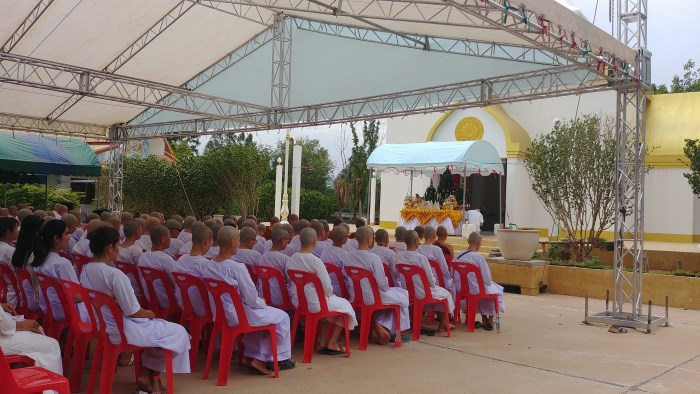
463	157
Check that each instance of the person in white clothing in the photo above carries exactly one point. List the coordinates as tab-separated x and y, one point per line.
128	251
9	230
337	255
26	338
433	252
321	245
175	244
386	255
399	245
352	241
145	241
72	223
306	261
475	217
52	238
385	320
245	254
158	259
258	351
186	233
486	308
141	328
260	235
276	259
194	262
213	250
412	257
295	243
82	247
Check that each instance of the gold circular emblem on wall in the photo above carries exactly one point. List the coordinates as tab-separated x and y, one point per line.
469	129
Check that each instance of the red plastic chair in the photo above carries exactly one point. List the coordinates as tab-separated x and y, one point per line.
334	270
19	361
30	379
301	279
195	323
80	261
356	274
53	327
408	272
3	291
79	335
8	277
389	277
441	282
463	269
66	255
393	248
109	352
23	276
266	275
229	334
448	259
130	270
252	274
150	276
177	256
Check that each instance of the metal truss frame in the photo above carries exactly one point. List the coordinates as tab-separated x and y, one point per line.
26	24
281	68
132	50
117	150
42	126
43	74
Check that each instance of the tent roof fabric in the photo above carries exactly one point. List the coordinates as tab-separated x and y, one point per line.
477	157
34	154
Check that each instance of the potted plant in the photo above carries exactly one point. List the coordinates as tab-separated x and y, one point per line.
518	244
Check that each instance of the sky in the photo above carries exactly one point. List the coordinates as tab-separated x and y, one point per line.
672	38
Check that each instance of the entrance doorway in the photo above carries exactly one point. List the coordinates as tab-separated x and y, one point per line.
482	193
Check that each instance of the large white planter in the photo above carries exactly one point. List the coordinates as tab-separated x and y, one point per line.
518	244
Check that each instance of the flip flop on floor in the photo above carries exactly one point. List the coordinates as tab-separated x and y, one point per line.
428	331
478	324
331	352
404	338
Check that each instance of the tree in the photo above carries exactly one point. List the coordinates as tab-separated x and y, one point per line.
356	173
36	195
692	152
690	81
219	140
192	142
182	150
572	170
316	166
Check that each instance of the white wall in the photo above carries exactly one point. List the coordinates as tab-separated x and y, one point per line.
493	132
522	206
409	129
669	204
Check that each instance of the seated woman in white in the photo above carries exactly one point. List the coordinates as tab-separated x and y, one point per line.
52	238
27	339
9	229
258	351
305	260
140	326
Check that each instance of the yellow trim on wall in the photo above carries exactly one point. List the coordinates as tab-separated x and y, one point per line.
666	161
437	125
656	237
388	224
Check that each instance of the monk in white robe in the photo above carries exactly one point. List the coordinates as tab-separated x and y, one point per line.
321	245
486	308
277	260
399	245
186	233
175	244
128	252
386	255
9	229
186	248
145	242
337	255
72	223
385	320
194	263
156	258
83	245
141	328
306	261
26	338
245	254
52	238
412	257
433	252
295	243
258	350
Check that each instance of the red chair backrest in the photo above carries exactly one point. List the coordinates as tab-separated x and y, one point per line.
130	269
218	288
301	279
72	289
47	282
393	248
100	301
389	277
408	272
150	276
356	274
438	272
448	259
3	291
7	273
6	376
177	256
185	282
80	261
23	276
463	269
265	274
252	274
334	270
65	255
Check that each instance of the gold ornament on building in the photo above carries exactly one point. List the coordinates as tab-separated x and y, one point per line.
469	129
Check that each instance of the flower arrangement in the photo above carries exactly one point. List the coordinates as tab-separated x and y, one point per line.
408	202
450	202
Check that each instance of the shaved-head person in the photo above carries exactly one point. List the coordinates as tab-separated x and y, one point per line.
258	352
307	262
295	244
175	244
434	253
399	245
82	247
412	257
384	323
105	215
246	254
128	251
4	212
72	224
386	255
145	241
123	218
156	258
214	249
321	243
186	233
337	255
276	259
193	263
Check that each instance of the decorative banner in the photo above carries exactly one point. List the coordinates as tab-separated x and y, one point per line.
424	215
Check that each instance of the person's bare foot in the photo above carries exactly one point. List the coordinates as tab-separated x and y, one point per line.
336	346
144	383
256	365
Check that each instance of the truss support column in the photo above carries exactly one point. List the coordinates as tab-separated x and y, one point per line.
281	67
117	147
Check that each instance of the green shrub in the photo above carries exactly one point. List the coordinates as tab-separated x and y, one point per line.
35	195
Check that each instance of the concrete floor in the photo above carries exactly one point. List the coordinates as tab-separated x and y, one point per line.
542	347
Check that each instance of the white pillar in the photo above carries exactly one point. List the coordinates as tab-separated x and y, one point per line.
278	187
372	197
284	211
296	177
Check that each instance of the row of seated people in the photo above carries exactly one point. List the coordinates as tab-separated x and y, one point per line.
365	256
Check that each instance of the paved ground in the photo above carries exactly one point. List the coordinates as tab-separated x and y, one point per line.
542	347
